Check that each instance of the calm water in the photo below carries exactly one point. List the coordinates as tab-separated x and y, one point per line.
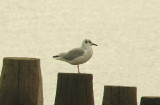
127	33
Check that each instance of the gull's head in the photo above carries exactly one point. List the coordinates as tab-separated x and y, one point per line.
88	43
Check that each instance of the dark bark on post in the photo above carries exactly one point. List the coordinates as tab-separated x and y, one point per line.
150	100
74	89
21	82
119	95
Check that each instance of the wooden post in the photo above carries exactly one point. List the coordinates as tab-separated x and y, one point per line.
119	95
21	82
74	89
148	100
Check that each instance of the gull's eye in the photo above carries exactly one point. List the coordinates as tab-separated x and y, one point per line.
89	41
86	41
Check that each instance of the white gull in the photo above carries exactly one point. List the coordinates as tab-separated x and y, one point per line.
79	55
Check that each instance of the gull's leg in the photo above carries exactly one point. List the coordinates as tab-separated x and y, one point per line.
78	68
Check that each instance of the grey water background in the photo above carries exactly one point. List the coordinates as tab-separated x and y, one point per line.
127	32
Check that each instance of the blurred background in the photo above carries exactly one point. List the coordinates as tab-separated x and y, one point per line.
127	32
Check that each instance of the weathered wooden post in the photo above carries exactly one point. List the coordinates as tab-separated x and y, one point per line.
21	82
119	95
74	89
150	100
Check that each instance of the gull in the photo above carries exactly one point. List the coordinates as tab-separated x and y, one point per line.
79	55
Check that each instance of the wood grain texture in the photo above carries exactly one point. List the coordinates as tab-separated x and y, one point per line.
74	89
150	100
119	95
21	82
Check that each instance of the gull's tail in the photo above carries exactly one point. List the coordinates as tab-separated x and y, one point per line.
59	57
56	56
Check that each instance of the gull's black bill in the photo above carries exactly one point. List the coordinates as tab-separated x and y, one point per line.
94	44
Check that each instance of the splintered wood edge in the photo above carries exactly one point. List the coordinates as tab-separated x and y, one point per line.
20	58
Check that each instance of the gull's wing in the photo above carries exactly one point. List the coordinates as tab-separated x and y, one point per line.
73	54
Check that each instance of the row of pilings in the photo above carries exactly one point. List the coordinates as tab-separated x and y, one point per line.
21	84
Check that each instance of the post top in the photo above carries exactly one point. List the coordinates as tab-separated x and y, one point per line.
151	97
20	58
115	86
73	73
